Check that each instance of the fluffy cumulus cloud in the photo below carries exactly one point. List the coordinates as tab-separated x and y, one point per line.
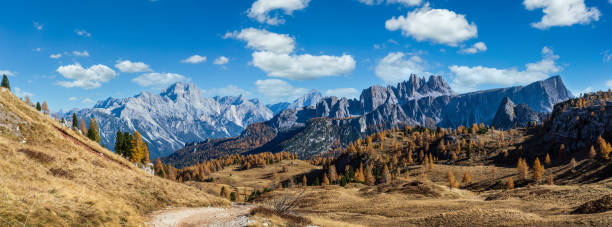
229	90
221	60
562	12
469	78
436	25
55	56
80	53
86	78
403	2
127	66
274	55
477	47
194	59
277	90
7	73
398	66
303	67
264	40
342	92
159	79
261	10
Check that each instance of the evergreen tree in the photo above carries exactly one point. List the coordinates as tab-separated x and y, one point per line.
75	121
119	144
127	144
5	83
38	107
93	133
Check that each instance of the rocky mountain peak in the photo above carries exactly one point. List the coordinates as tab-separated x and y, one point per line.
181	90
309	99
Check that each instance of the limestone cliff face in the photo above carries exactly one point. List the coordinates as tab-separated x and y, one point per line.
334	122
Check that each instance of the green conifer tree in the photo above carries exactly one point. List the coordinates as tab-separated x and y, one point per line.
5	83
75	121
93	132
38	107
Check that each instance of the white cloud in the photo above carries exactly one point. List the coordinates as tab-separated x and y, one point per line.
469	78
22	93
37	49
403	2
72	98
87	100
37	25
607	55
437	25
159	79
89	78
343	92
194	59
221	60
278	90
477	47
303	67
229	90
7	73
83	33
127	66
397	67
55	56
274	55
80	53
261	9
264	40
562	12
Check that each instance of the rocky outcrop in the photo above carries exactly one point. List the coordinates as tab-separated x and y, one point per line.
509	115
580	125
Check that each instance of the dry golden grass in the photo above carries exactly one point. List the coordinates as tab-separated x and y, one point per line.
253	179
53	176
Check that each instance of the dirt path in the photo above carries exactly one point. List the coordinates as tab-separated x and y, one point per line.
204	216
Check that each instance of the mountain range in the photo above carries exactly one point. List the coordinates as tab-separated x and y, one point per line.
179	115
181	119
334	122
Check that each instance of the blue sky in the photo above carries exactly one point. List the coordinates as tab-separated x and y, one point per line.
73	53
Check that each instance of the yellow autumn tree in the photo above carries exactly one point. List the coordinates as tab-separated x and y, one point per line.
137	151
538	170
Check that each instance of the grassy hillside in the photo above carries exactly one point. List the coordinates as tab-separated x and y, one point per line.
53	176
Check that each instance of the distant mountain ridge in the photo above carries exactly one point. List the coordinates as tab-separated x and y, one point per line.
335	122
177	116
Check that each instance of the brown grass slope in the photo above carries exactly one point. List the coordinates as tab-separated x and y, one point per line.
53	176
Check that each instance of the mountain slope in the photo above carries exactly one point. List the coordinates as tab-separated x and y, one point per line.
53	176
335	122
